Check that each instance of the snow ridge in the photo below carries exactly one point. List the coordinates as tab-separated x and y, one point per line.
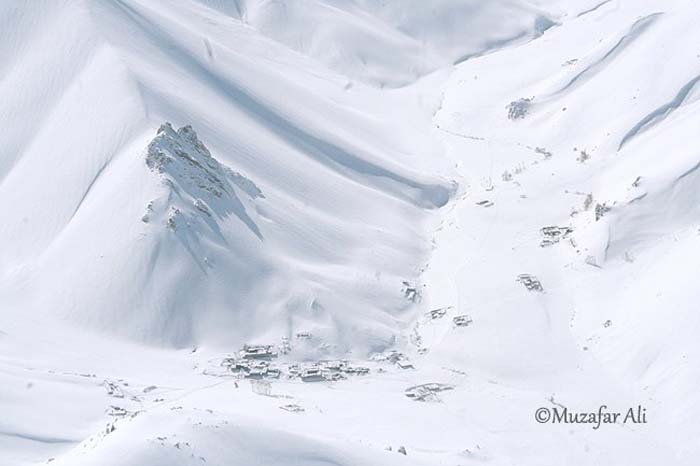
659	114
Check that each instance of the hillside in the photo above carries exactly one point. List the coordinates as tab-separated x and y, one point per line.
348	233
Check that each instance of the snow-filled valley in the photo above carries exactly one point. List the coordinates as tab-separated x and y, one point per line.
349	232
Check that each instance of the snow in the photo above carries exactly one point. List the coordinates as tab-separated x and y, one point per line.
490	205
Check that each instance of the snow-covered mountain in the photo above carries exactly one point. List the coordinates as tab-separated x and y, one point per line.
430	218
326	246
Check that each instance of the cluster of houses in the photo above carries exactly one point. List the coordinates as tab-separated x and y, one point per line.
393	357
462	320
437	313
256	362
601	210
553	234
411	292
427	391
530	282
330	370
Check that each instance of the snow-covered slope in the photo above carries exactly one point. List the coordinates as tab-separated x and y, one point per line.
343	179
334	213
393	43
596	133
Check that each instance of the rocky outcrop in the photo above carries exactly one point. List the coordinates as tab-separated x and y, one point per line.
200	188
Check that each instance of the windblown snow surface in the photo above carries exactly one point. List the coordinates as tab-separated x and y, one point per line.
363	186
